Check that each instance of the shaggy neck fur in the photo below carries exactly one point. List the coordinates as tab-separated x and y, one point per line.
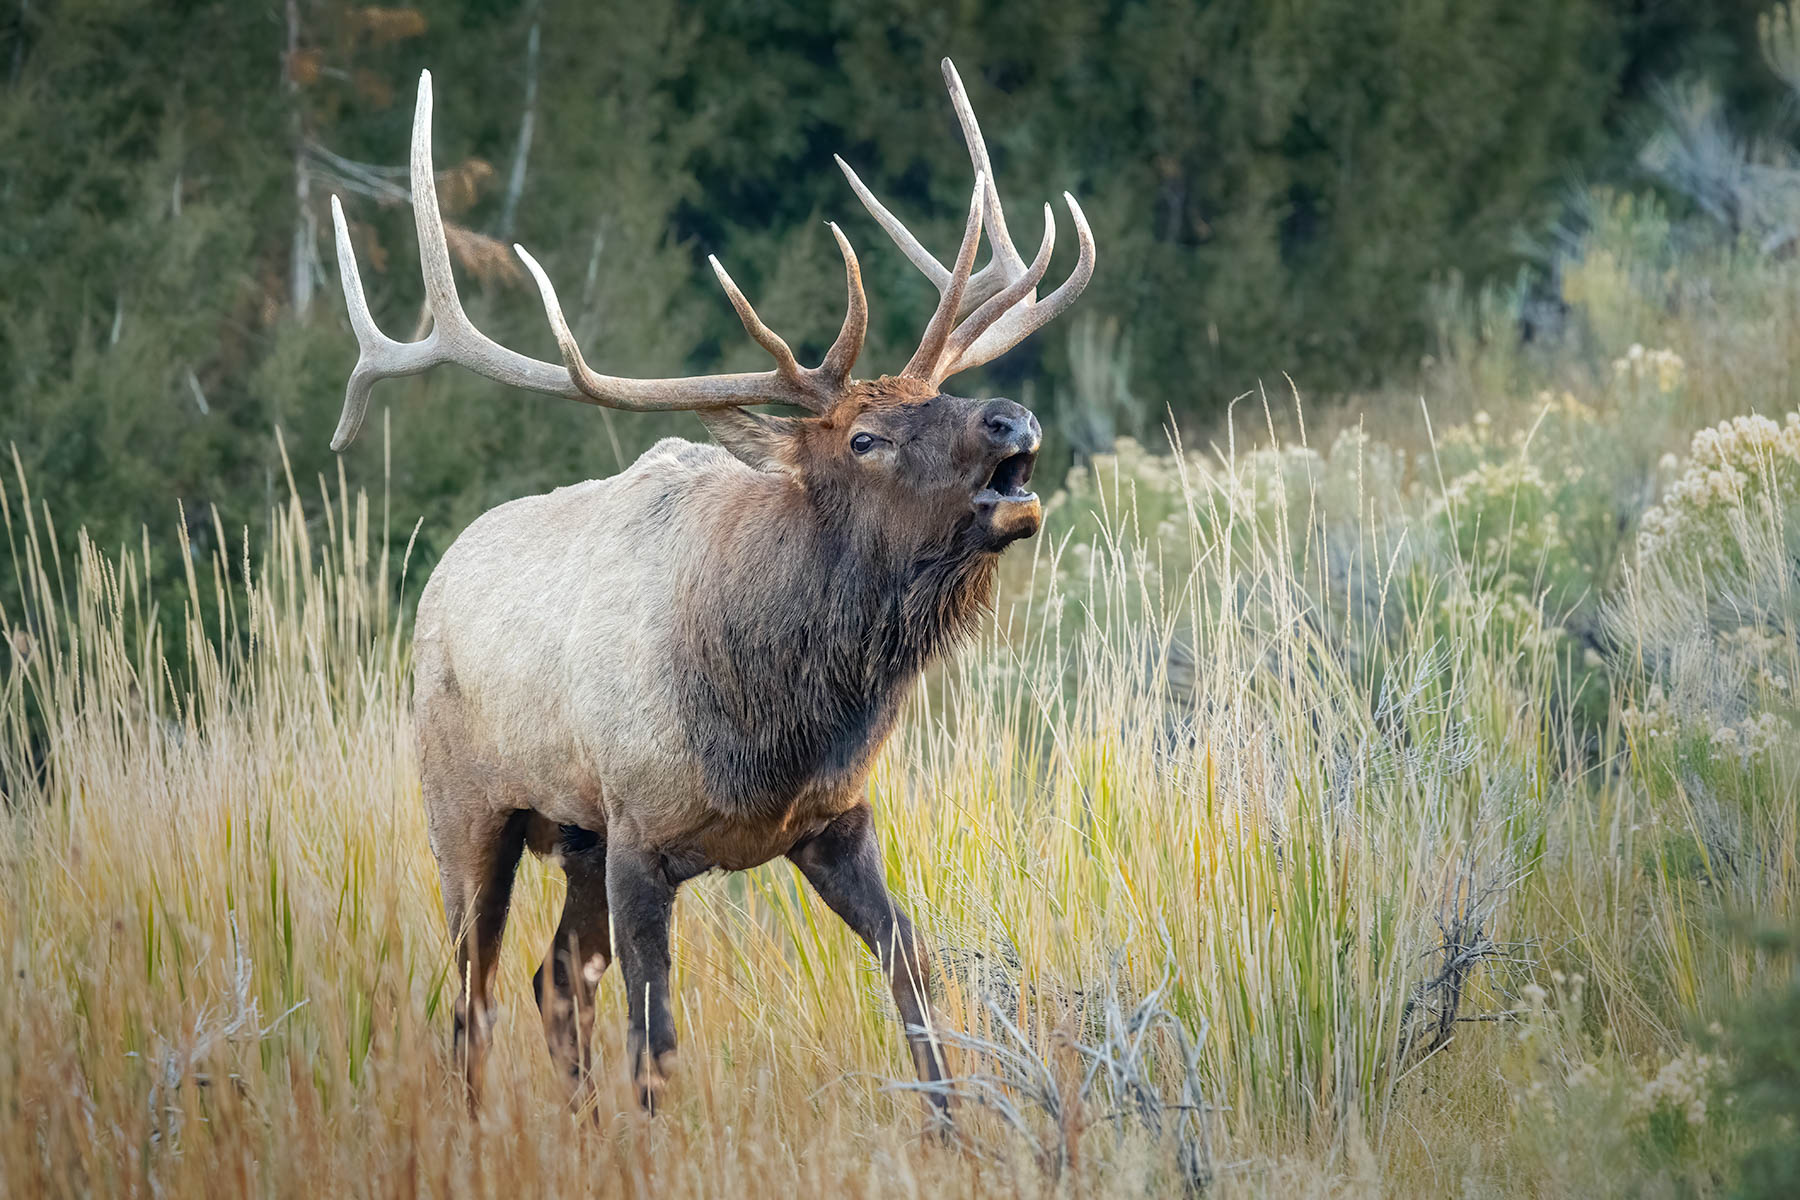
801	633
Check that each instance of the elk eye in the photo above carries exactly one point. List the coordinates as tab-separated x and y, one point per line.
862	443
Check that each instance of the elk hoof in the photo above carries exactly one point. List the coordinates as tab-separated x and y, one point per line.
653	1080
940	1126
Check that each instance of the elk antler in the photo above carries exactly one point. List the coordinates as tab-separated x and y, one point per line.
998	304
454	338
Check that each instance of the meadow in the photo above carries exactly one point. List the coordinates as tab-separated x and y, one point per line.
1389	797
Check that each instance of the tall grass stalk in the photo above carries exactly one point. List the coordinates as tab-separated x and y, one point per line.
1237	834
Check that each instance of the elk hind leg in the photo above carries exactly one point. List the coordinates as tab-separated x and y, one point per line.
579	954
477	864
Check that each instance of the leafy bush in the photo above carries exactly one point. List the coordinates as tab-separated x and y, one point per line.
1762	1036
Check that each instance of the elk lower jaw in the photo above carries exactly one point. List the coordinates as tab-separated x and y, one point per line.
1005	508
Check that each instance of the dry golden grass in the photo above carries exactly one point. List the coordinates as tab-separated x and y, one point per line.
1192	869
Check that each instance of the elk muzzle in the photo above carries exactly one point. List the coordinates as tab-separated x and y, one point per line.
1005	509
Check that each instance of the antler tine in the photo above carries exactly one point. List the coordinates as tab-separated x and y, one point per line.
806	387
1028	316
909	245
997	305
434	245
371	343
924	362
849	342
768	339
1006	261
588	382
982	283
815	388
452	337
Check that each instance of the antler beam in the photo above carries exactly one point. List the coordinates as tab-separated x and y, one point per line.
454	338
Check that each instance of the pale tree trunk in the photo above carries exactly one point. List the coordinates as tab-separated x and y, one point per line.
306	232
515	183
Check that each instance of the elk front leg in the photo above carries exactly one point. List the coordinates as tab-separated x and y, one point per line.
843	864
642	897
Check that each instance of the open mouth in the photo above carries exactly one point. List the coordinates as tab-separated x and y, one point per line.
1009	478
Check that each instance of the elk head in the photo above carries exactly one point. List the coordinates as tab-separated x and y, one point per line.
895	460
876	455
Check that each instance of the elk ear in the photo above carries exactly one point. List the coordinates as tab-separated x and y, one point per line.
761	442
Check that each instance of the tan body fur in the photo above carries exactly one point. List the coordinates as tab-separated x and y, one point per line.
542	653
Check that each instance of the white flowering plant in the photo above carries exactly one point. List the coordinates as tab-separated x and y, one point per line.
1707	630
1500	520
1740	474
1595	1117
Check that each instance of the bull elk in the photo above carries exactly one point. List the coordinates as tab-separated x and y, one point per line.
691	665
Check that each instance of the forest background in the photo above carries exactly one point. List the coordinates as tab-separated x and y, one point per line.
1302	188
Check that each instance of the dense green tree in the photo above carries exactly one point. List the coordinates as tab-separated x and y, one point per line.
1273	185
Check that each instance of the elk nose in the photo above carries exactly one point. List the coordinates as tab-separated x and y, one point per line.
1011	425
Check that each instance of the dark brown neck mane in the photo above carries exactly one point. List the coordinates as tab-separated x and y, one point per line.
800	637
